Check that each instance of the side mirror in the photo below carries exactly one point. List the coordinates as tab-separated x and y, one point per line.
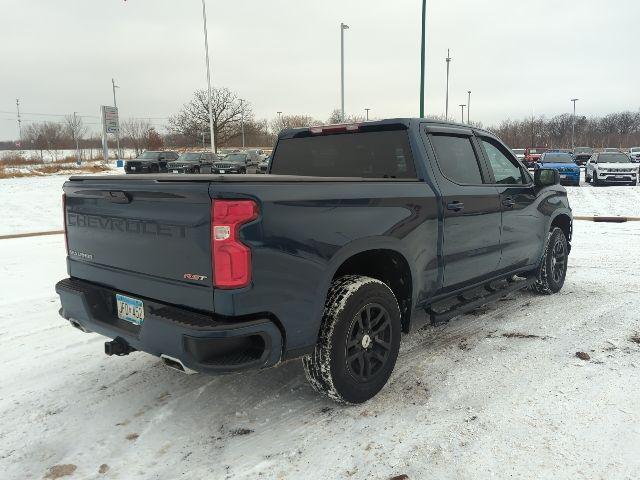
545	177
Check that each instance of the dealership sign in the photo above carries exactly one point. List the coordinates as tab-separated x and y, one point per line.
110	119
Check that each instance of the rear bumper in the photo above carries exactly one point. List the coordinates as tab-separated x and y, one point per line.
201	342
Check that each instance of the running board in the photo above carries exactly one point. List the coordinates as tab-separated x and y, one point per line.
470	300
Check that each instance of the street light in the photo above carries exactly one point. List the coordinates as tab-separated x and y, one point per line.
462	105
468	105
446	105
242	120
206	50
573	124
367	110
343	27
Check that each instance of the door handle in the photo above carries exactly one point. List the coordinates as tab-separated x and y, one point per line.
509	202
456	206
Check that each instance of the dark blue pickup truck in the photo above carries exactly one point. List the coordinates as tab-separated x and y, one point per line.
326	258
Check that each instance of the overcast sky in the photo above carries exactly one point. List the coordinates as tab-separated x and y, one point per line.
517	56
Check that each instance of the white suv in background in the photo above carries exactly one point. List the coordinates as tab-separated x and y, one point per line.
634	153
609	167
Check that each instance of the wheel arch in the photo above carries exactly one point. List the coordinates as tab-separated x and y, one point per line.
383	260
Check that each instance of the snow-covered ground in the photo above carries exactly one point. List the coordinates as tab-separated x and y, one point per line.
497	393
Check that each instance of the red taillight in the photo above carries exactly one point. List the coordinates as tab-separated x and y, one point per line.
230	258
64	222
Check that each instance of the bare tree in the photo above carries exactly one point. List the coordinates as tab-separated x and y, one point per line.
135	133
193	119
49	136
292	121
75	128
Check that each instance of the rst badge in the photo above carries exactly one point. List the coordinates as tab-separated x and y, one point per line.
192	276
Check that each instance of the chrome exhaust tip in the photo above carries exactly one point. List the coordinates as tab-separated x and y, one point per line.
78	325
176	364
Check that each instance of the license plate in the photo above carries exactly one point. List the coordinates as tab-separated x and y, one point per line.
130	309
133	169
563	177
222	171
619	177
174	171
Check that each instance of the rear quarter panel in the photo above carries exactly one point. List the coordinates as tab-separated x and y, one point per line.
305	231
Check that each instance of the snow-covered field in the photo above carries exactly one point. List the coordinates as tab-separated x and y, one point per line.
497	393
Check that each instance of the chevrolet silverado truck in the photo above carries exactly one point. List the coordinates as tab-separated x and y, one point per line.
356	228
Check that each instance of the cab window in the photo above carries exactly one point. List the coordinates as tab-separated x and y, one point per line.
505	169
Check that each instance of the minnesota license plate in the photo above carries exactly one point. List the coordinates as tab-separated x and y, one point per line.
130	309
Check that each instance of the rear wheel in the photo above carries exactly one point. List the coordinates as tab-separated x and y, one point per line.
154	169
553	267
358	342
196	169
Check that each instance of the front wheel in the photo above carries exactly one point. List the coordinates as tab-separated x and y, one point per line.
553	266
596	182
358	342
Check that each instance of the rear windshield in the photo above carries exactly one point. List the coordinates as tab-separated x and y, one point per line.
613	158
558	158
382	154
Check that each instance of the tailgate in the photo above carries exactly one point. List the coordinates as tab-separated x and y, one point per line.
145	237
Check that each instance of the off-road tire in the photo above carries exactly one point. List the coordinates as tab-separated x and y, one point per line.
328	370
548	282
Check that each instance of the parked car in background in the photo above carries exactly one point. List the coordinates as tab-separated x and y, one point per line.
263	166
193	162
564	164
611	167
327	258
255	156
582	155
634	154
150	162
519	153
532	155
232	163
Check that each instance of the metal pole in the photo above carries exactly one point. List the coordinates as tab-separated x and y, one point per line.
367	110
115	105
203	140
242	119
19	122
463	105
573	124
446	106
280	119
105	147
468	105
422	56
75	137
343	27
206	49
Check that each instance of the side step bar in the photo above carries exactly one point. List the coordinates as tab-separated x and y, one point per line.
469	300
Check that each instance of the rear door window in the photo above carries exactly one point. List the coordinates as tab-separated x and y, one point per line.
380	154
457	158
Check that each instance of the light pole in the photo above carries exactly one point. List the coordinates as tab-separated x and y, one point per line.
280	118
115	105
343	27
74	132
367	110
206	50
446	105
19	122
422	55
573	124
468	104
242	120
462	105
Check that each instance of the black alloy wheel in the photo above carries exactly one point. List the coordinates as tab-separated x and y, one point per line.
368	345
